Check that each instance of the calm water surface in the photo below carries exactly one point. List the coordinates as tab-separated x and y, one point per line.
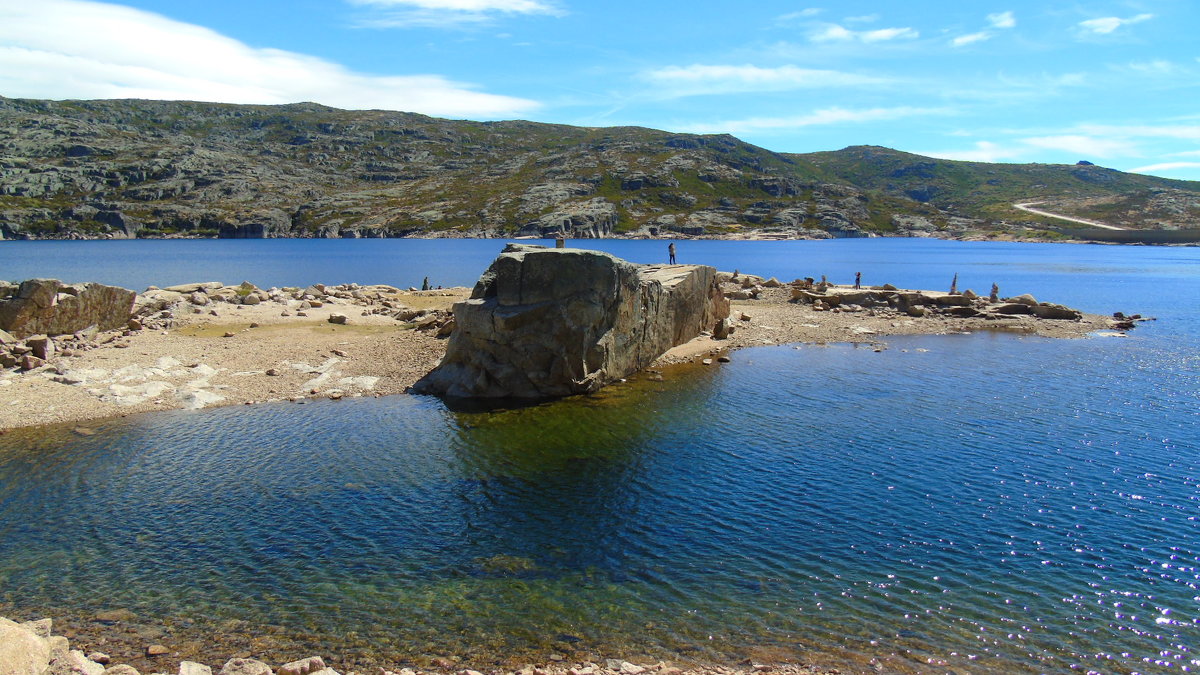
988	503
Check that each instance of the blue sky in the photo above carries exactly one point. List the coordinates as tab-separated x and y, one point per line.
1115	82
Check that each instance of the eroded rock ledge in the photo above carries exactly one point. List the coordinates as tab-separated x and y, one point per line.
546	322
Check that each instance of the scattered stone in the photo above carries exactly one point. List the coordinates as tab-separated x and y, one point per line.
100	657
273	372
30	362
307	666
341	353
114	616
337	318
254	324
40	346
121	670
724	359
707	362
40	627
134	324
157	650
245	666
193	668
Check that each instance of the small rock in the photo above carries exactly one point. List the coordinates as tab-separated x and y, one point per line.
157	650
339	352
193	668
245	666
273	372
285	313
122	670
707	362
100	657
301	313
724	359
254	324
134	324
229	333
40	628
115	615
337	318
307	666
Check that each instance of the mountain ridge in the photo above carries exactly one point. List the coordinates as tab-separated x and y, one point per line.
143	168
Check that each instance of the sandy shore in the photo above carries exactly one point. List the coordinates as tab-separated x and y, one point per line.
282	350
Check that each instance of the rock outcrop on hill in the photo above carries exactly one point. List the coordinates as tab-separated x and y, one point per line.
545	322
48	306
122	169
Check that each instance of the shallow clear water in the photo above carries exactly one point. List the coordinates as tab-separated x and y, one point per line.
992	502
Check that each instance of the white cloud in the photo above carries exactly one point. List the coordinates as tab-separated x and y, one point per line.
964	40
508	6
802	14
1089	146
699	79
835	33
1002	20
446	13
67	49
824	117
1166	166
983	151
866	18
1108	24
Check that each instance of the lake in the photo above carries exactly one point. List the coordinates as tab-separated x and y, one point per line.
986	503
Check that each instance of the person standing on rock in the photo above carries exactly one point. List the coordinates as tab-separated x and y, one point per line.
671	252
857	280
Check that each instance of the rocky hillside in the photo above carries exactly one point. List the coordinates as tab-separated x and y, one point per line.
127	168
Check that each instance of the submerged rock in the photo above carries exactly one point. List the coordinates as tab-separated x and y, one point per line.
553	322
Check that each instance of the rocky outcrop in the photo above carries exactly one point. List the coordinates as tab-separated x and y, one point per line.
553	322
51	307
926	303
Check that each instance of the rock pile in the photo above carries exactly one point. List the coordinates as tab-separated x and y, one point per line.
553	322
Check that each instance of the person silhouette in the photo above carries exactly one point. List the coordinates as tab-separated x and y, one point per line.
671	252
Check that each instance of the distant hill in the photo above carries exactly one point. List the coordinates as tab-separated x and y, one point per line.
131	168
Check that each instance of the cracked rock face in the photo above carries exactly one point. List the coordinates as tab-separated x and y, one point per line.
542	323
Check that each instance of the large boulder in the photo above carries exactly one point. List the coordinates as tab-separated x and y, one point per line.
21	651
547	322
48	306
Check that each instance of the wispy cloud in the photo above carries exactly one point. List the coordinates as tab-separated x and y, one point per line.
1002	20
964	40
802	14
65	49
1108	24
698	79
1166	166
866	18
446	13
836	33
825	117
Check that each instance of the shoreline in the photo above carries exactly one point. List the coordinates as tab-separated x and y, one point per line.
284	347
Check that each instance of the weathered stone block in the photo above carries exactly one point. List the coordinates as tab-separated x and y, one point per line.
48	306
553	322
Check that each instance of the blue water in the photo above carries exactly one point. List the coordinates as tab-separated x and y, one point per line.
986	503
